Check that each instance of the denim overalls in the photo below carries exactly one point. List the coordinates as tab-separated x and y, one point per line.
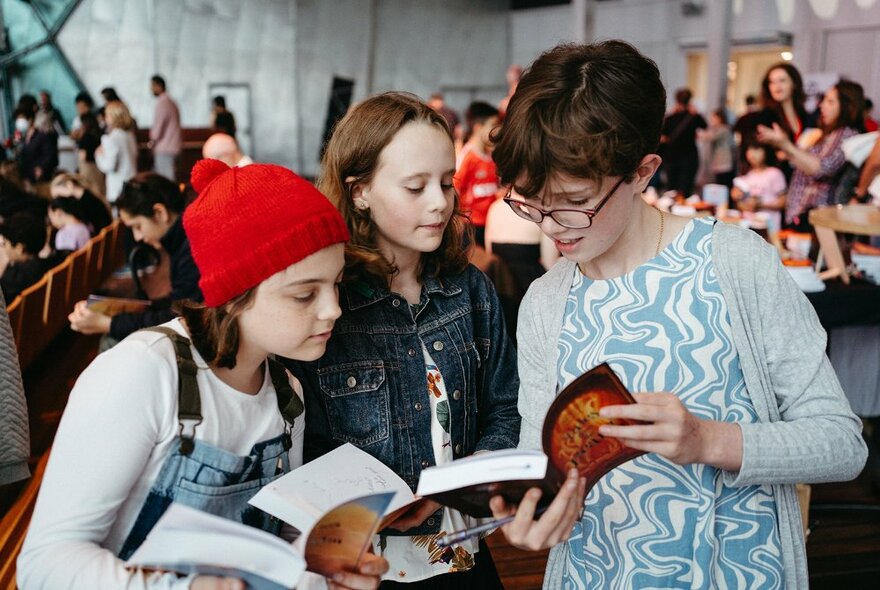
206	477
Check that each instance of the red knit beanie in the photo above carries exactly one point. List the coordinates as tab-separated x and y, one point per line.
251	222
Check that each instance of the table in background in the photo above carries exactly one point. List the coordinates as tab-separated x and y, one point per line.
851	316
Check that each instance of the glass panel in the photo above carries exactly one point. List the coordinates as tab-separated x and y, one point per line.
51	10
44	70
22	27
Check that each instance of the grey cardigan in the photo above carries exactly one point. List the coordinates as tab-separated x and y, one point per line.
806	432
14	441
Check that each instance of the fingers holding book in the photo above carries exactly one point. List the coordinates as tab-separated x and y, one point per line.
216	583
367	577
555	523
415	515
672	431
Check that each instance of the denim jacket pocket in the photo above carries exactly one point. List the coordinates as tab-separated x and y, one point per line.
356	396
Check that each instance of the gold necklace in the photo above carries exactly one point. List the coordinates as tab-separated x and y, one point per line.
660	237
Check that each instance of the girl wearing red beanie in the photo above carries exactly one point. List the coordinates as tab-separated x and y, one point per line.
195	411
419	370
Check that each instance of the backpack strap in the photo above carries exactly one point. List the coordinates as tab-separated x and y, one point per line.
189	403
289	404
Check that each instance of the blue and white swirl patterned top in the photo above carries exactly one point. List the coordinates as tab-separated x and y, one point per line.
651	523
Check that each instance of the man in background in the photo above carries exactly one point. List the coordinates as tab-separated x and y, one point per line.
165	135
223	147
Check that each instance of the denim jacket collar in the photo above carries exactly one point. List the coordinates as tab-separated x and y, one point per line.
361	293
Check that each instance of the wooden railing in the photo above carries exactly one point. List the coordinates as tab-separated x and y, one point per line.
40	312
15	524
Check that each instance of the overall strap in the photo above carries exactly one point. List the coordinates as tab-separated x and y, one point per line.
289	403
189	405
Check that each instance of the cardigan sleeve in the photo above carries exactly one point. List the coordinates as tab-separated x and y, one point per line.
812	434
533	401
14	435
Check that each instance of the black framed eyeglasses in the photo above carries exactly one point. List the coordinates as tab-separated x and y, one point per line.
569	218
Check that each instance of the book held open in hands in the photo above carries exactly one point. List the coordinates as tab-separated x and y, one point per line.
570	438
189	541
337	502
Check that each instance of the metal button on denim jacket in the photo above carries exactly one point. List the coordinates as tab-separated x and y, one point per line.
370	387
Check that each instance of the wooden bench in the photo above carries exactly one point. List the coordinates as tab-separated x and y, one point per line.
15	523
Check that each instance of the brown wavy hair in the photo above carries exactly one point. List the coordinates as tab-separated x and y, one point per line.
214	331
852	105
589	111
352	157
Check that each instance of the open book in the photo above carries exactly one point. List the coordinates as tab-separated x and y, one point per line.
189	541
570	438
337	502
115	305
334	502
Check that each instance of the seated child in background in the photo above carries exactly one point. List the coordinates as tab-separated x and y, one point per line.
22	236
95	212
476	180
762	188
65	215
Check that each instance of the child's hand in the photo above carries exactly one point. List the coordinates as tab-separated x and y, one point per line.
368	576
215	583
84	320
554	525
416	515
673	432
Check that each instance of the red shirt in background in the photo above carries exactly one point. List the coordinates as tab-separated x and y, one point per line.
476	182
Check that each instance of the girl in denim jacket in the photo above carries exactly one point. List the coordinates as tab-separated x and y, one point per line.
419	369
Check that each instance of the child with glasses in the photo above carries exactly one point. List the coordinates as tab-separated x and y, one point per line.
696	316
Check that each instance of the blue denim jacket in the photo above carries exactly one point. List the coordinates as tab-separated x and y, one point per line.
370	387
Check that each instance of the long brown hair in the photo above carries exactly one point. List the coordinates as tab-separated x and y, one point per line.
851	97
352	157
798	95
214	331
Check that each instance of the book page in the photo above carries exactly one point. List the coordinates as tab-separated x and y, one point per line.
340	538
187	540
302	496
502	465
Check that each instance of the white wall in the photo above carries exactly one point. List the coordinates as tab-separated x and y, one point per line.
288	52
847	39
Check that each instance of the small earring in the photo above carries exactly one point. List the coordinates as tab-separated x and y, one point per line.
361	204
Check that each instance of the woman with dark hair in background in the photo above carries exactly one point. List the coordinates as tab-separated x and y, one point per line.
816	169
783	98
151	206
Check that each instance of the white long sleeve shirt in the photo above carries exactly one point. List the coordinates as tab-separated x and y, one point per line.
119	423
